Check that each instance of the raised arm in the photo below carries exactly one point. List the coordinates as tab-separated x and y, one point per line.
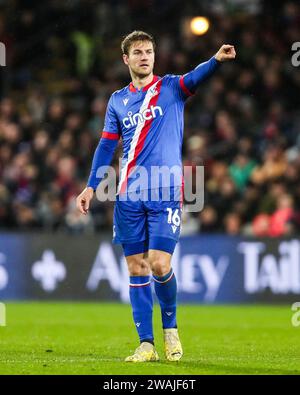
192	80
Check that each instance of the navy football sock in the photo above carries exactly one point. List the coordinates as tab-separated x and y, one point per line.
166	292
142	306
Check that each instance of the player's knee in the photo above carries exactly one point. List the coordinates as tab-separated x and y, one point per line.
160	267
138	267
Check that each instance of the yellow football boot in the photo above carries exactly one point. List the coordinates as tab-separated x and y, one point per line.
144	353
173	348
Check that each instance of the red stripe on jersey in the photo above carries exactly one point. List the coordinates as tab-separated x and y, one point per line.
142	137
155	78
110	136
132	88
184	88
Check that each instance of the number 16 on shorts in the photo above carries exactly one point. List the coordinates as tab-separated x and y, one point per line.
173	218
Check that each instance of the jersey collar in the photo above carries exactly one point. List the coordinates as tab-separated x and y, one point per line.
132	88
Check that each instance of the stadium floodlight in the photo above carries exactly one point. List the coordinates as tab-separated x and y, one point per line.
199	25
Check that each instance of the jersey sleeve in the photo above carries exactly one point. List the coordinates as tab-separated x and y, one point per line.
186	85
191	80
179	89
102	159
111	129
106	147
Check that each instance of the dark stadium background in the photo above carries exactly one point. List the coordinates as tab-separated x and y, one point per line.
63	61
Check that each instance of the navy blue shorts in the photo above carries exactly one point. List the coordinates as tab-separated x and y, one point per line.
151	222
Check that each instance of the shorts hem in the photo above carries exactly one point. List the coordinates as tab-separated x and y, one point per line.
128	241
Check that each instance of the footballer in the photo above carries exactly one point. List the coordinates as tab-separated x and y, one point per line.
148	115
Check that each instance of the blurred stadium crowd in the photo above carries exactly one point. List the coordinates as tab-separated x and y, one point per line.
64	61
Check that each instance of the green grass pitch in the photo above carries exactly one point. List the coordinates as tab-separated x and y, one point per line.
94	338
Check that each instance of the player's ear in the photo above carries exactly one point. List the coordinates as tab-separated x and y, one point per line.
125	59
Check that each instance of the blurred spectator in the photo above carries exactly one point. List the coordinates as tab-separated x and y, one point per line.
273	167
280	223
208	220
241	169
282	216
261	225
232	224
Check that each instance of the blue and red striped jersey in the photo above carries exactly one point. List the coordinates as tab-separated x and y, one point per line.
150	123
